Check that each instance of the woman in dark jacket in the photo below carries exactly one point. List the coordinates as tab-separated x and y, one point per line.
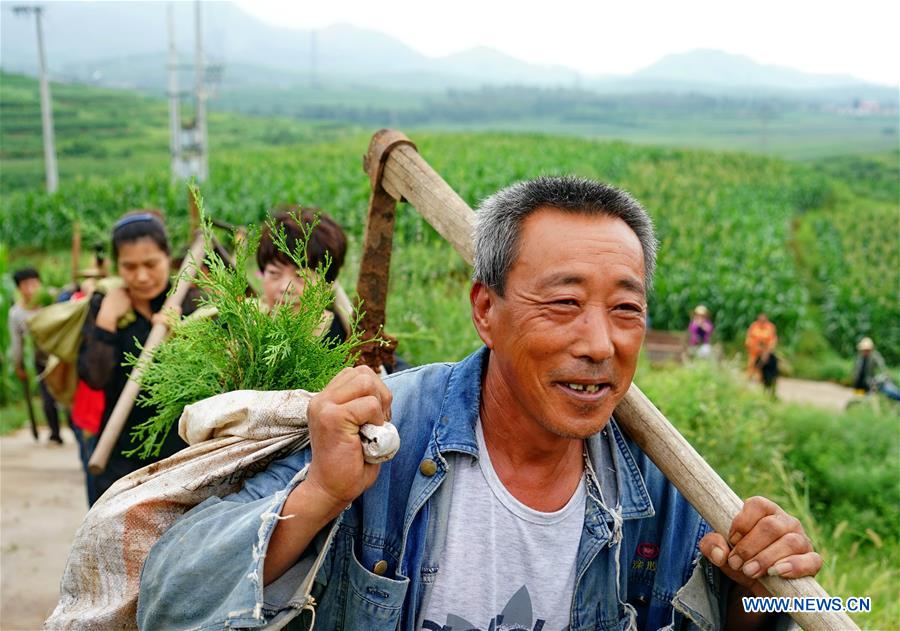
119	321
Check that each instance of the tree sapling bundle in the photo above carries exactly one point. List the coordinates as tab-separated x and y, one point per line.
244	346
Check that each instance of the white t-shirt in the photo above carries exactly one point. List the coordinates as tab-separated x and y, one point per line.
505	565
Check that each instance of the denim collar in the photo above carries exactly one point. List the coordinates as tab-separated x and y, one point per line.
455	431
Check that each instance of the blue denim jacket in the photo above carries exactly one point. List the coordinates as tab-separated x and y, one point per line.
373	569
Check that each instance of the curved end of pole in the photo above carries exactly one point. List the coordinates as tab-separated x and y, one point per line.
383	142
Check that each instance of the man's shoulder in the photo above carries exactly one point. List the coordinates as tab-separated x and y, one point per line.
419	391
427	375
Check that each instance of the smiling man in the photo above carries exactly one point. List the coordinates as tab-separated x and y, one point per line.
515	502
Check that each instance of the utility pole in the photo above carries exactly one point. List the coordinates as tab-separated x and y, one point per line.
46	104
174	99
200	89
189	142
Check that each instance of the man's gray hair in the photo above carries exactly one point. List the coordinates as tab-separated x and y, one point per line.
498	222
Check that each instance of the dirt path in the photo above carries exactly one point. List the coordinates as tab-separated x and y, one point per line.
42	503
822	394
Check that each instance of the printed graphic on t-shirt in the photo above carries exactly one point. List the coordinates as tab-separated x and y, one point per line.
517	615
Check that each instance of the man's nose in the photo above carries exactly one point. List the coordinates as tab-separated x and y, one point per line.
595	341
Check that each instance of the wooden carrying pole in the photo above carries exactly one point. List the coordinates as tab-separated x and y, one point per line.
76	251
116	423
398	172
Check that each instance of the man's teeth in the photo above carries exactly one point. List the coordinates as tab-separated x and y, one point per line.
593	387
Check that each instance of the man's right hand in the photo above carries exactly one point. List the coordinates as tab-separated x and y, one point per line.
337	472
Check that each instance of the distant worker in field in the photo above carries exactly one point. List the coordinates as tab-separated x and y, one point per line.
761	340
514	501
119	322
700	330
870	374
28	283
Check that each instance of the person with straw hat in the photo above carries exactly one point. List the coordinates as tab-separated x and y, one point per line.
870	372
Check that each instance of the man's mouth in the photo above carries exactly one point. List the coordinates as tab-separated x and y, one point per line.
585	391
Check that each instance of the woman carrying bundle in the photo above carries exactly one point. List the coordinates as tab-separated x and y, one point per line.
119	322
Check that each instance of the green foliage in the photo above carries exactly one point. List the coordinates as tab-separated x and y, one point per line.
14	415
828	366
428	304
872	175
732	427
242	348
850	464
849	461
9	390
851	250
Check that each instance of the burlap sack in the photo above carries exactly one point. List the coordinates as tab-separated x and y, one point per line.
232	436
56	329
61	379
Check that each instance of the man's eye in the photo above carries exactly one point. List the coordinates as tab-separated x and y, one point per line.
568	302
632	308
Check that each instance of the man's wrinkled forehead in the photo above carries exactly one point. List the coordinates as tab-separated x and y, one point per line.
620	238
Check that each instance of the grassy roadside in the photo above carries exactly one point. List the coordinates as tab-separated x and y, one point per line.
14	416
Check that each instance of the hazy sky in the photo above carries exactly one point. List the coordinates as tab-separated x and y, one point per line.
599	37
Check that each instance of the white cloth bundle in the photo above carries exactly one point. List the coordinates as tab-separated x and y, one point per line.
232	436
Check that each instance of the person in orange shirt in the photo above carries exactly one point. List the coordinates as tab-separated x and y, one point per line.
762	337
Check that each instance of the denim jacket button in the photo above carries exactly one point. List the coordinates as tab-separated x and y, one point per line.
380	567
428	467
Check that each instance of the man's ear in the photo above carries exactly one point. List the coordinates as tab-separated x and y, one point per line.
484	302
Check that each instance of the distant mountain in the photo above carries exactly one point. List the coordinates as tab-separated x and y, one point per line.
717	68
123	44
501	68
